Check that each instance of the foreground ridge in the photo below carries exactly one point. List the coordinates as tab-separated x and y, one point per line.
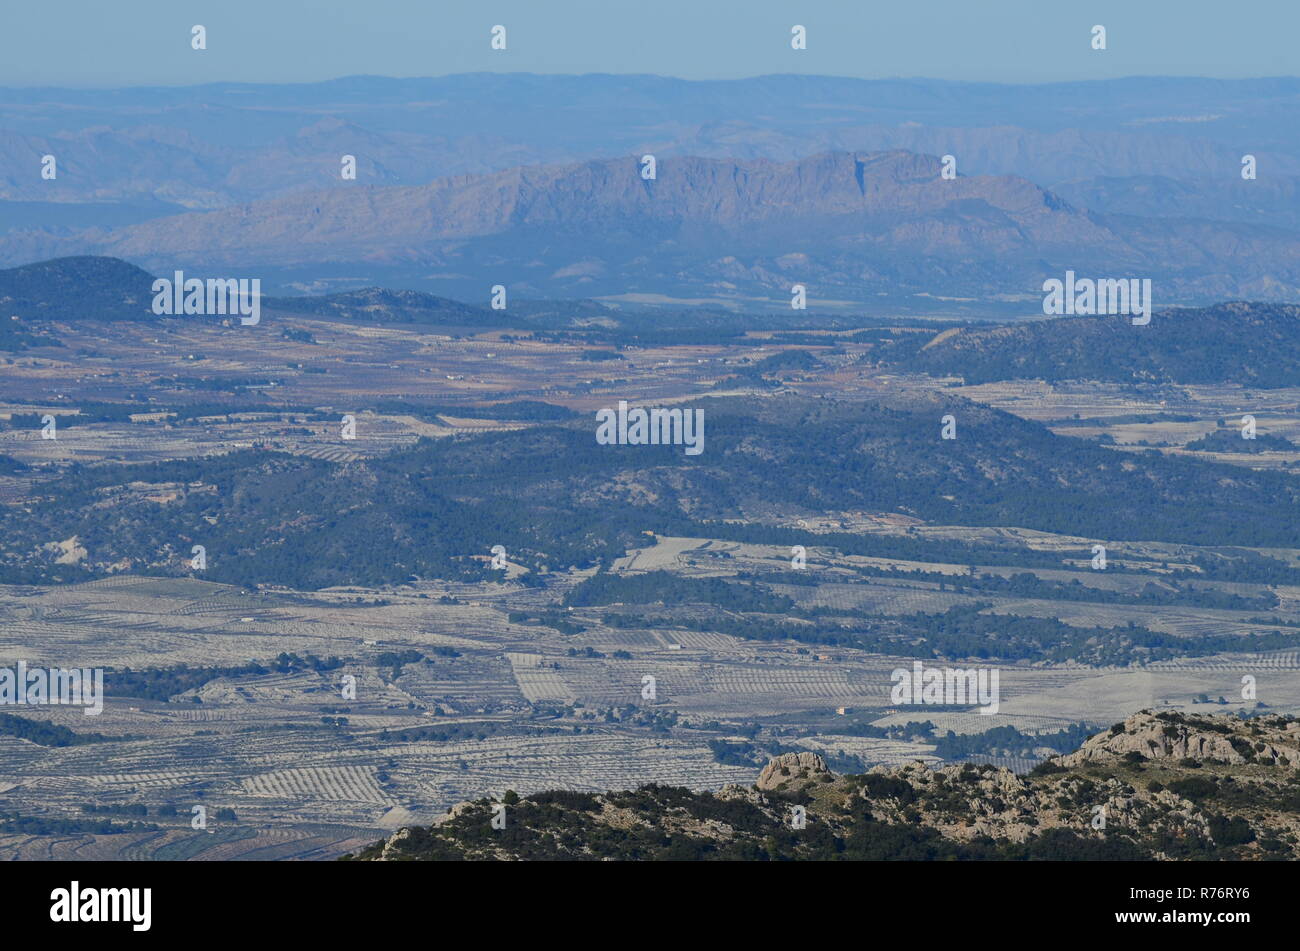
1153	787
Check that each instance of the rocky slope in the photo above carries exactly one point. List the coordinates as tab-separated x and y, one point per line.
1161	785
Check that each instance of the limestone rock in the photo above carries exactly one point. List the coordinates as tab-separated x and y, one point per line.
391	844
795	769
1174	738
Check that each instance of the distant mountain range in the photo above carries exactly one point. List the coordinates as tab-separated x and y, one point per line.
881	231
484	179
214	145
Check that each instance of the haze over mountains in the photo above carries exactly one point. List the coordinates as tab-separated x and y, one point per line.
533	182
214	145
851	226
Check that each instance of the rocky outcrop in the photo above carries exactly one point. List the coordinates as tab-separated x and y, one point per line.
392	847
791	771
1173	736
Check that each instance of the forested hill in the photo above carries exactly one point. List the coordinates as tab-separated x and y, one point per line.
77	288
553	496
110	289
378	305
1248	343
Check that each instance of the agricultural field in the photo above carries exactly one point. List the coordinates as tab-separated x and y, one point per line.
309	719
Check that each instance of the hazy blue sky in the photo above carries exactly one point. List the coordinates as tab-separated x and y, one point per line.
101	42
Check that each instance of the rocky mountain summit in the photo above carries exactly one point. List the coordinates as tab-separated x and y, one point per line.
1160	785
